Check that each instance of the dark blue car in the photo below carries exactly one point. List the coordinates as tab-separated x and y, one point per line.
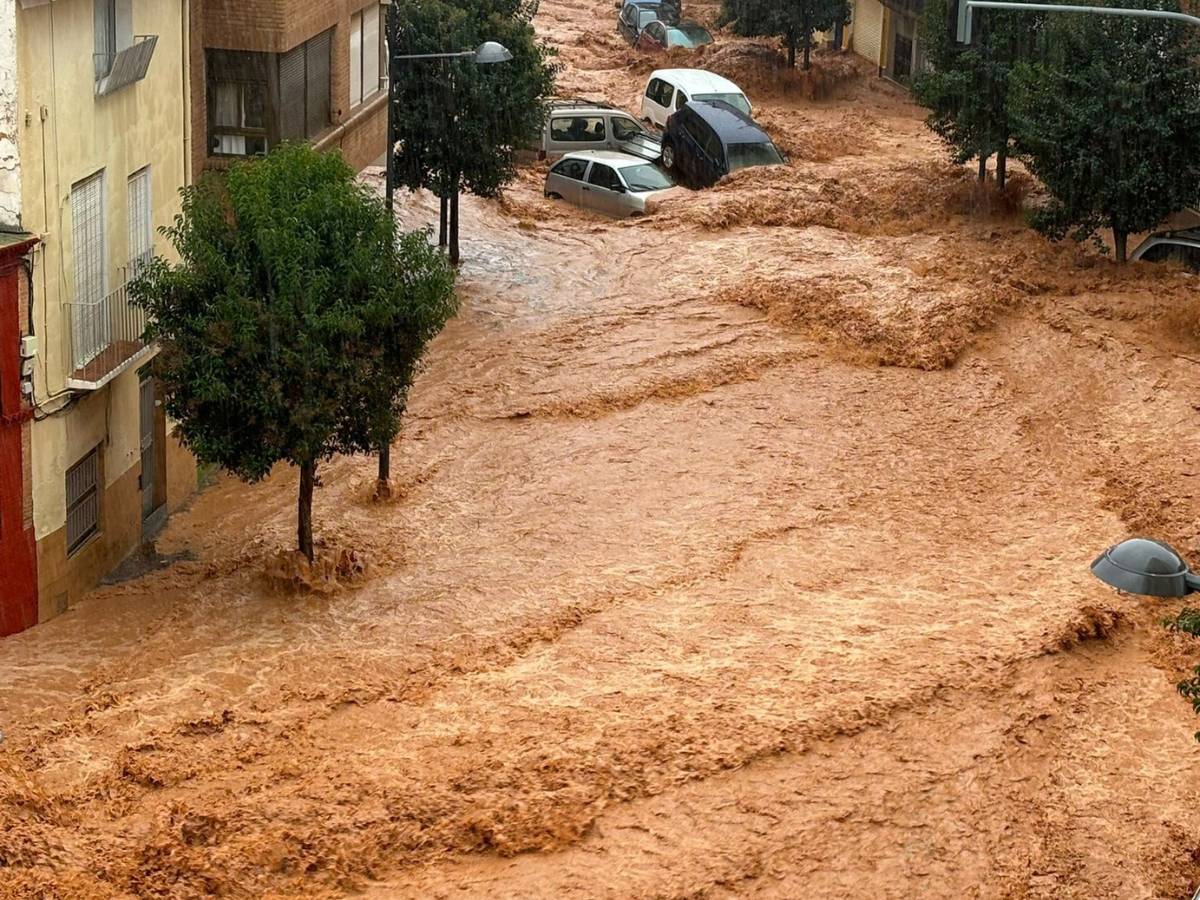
706	140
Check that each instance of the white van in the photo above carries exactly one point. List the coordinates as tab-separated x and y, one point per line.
669	89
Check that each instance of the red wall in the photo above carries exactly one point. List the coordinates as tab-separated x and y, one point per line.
18	556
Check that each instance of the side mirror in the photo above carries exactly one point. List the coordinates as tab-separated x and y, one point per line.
620	189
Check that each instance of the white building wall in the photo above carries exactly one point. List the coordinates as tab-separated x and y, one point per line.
10	158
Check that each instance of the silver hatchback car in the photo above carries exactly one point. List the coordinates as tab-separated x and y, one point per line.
616	184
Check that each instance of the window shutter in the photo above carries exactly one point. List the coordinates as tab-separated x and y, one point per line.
370	51
317	96
141	232
291	94
83	500
89	324
356	58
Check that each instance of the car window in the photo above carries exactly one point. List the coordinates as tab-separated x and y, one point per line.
624	128
665	93
655	30
680	99
742	156
1157	253
652	89
573	129
571	168
647	17
628	14
711	143
646	178
1190	257
689	36
603	176
737	101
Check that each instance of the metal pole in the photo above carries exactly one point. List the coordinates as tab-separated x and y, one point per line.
965	8
436	55
389	200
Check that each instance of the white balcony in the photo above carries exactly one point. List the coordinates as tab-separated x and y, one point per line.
106	339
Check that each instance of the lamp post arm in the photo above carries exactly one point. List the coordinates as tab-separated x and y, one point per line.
965	8
462	53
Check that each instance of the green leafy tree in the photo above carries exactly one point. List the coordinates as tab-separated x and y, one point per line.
965	89
460	124
1109	119
794	21
292	325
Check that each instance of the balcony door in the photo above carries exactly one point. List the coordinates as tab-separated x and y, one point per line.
91	330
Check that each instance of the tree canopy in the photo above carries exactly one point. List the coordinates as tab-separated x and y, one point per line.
460	124
965	89
1108	118
794	21
292	325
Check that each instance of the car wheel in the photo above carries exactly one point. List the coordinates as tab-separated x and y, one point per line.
668	156
554	196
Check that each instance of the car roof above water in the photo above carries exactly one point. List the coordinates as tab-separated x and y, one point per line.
697	80
731	124
614	158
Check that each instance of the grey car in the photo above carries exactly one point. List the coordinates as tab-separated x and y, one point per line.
1182	246
616	184
586	125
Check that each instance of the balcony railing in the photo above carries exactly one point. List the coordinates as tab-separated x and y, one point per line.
117	70
106	338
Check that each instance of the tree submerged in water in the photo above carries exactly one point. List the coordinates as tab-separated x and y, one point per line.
794	21
292	326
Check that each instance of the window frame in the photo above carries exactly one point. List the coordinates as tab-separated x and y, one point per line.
85	493
249	132
358	43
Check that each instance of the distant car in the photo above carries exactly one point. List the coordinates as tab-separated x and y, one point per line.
669	89
635	15
705	140
588	125
661	36
616	184
1182	246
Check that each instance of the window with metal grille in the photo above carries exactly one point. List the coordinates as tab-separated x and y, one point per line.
304	88
141	228
83	500
239	120
90	330
367	54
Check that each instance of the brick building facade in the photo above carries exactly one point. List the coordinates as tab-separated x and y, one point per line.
263	71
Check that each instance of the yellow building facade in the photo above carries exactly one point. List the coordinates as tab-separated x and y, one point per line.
104	142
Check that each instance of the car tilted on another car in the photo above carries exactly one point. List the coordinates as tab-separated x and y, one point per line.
706	140
587	125
635	15
659	36
669	89
616	184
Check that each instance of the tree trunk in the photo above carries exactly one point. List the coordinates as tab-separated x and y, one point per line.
454	224
1002	167
807	49
791	45
383	488
982	167
308	478
443	205
839	34
1121	242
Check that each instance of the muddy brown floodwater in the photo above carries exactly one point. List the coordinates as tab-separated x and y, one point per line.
740	550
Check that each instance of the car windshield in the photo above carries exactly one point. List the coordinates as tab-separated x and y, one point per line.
646	178
737	101
646	16
743	156
689	36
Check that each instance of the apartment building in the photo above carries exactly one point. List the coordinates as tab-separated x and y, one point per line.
265	71
100	114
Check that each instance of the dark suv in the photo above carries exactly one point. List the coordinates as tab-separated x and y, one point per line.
705	140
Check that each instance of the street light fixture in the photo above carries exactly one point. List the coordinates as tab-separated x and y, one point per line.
1145	566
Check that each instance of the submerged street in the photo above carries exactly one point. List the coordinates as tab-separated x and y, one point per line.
739	549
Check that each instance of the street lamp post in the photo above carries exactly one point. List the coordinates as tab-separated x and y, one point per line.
966	7
487	53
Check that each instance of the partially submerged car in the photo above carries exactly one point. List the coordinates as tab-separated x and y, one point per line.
616	184
587	125
1180	246
669	89
706	140
658	36
636	15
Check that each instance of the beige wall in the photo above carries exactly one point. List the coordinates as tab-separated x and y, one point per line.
866	36
67	134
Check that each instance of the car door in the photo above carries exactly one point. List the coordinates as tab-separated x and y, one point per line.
627	22
654	37
656	105
572	131
628	136
566	179
603	190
